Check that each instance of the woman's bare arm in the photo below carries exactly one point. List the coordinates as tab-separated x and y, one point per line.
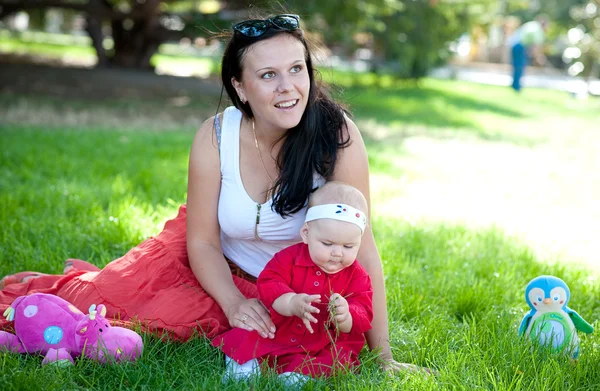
352	168
203	236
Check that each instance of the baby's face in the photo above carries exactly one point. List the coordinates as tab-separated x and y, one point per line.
333	244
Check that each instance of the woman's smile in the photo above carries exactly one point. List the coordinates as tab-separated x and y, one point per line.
286	105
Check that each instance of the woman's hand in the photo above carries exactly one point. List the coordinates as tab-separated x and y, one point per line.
251	314
392	366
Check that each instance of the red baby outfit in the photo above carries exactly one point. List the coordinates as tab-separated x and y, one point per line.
294	349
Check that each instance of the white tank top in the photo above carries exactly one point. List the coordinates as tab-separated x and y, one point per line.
238	212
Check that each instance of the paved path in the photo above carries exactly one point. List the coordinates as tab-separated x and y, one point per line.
500	74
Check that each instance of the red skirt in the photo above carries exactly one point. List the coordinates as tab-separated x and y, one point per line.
152	285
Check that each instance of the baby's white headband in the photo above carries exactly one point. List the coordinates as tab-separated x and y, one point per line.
339	212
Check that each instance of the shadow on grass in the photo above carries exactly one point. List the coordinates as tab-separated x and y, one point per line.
389	116
112	98
424	106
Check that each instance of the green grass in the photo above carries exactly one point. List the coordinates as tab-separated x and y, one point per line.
455	295
44	44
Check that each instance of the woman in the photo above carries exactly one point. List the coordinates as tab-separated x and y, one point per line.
251	171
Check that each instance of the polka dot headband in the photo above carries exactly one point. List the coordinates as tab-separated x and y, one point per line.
339	212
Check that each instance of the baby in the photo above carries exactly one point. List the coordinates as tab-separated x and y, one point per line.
319	297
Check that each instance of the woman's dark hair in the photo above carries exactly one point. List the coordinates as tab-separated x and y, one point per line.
312	145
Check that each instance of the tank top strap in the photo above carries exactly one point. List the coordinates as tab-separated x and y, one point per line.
230	140
218	131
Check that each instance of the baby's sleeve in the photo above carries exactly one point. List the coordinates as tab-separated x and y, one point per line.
276	277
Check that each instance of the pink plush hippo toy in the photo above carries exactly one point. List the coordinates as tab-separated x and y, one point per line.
49	325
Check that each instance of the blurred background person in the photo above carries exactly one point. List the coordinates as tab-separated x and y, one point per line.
526	43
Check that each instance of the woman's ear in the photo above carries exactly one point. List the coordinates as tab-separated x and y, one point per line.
304	233
239	89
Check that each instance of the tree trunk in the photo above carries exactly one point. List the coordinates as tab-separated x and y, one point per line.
137	33
133	48
94	29
135	42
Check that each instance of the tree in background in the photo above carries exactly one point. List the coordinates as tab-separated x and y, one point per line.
583	27
407	38
137	27
417	35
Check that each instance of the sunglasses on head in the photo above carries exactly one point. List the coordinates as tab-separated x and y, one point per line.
256	27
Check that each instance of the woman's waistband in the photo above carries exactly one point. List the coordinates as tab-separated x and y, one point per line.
239	272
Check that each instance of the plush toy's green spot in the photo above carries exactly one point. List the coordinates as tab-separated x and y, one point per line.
545	328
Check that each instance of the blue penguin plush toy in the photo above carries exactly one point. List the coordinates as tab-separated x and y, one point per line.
550	322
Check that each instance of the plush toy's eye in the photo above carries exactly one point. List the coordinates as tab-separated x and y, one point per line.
106	325
539	299
556	298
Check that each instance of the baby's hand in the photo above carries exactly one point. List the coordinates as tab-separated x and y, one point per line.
340	312
301	304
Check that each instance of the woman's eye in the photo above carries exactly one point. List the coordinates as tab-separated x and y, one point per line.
268	75
296	68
